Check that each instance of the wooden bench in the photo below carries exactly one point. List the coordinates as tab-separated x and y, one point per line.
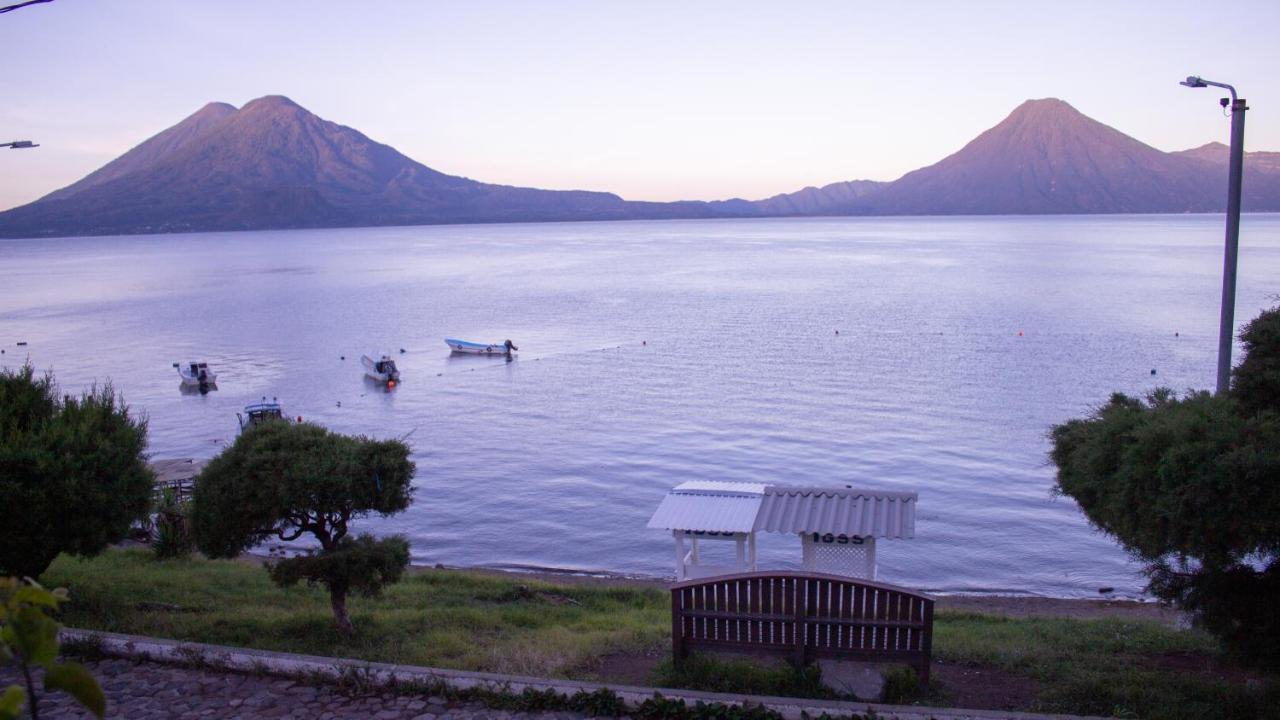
804	616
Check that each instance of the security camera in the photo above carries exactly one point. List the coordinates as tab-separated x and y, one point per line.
1224	101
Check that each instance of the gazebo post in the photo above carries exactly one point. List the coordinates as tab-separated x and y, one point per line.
751	551
681	573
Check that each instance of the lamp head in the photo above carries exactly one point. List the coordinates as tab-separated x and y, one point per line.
1193	81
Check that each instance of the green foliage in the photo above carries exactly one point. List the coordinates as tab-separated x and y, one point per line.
600	703
715	674
661	708
29	638
173	538
363	564
900	685
1256	380
288	480
73	477
1189	485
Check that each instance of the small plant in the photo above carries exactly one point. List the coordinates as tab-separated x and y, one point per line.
712	674
29	639
173	539
900	685
601	703
661	708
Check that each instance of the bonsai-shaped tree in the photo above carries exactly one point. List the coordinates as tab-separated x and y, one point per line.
287	480
1191	486
73	474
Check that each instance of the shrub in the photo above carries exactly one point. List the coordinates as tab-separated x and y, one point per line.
73	477
1189	486
173	538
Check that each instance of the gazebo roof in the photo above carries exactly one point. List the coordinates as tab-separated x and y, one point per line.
709	506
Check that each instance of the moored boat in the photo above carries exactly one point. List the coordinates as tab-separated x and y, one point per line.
256	414
197	374
466	347
382	370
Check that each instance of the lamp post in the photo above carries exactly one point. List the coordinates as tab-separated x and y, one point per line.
1226	324
19	144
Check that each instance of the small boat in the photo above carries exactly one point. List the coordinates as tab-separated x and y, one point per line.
197	374
256	414
471	348
383	370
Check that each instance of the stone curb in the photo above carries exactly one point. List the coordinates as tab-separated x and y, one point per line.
222	657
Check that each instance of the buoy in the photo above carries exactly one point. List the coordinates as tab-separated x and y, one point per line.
401	351
342	357
1153	371
1019	333
391	384
644	342
837	332
1175	334
339	403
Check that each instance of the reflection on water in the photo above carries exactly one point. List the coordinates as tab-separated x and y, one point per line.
658	352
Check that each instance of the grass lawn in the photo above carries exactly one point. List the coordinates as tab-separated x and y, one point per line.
476	621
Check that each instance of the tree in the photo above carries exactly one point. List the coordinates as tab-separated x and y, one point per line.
29	639
286	480
73	475
1191	486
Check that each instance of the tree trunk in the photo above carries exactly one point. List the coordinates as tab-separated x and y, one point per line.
338	600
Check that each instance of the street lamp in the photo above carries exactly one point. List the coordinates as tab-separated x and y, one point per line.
1226	324
19	144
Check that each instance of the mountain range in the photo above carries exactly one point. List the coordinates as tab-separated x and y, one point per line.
273	164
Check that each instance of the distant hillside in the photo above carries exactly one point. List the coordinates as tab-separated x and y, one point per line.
815	200
273	164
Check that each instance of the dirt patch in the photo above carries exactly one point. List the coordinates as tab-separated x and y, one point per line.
984	688
629	668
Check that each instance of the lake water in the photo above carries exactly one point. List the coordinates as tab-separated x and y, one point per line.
658	352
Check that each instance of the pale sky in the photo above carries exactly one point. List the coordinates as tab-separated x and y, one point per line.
651	100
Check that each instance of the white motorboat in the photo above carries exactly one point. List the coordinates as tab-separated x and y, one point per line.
383	370
466	347
197	374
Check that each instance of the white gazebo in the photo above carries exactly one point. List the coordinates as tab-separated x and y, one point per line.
838	526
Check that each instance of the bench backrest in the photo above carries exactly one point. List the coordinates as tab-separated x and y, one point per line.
804	615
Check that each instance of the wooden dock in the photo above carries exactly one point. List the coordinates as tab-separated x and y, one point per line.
177	475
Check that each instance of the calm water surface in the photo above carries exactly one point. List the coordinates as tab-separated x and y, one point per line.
658	352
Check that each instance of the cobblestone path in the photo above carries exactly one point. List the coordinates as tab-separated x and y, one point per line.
149	691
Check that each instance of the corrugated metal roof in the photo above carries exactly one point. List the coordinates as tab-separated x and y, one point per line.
744	507
837	510
720	487
710	506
